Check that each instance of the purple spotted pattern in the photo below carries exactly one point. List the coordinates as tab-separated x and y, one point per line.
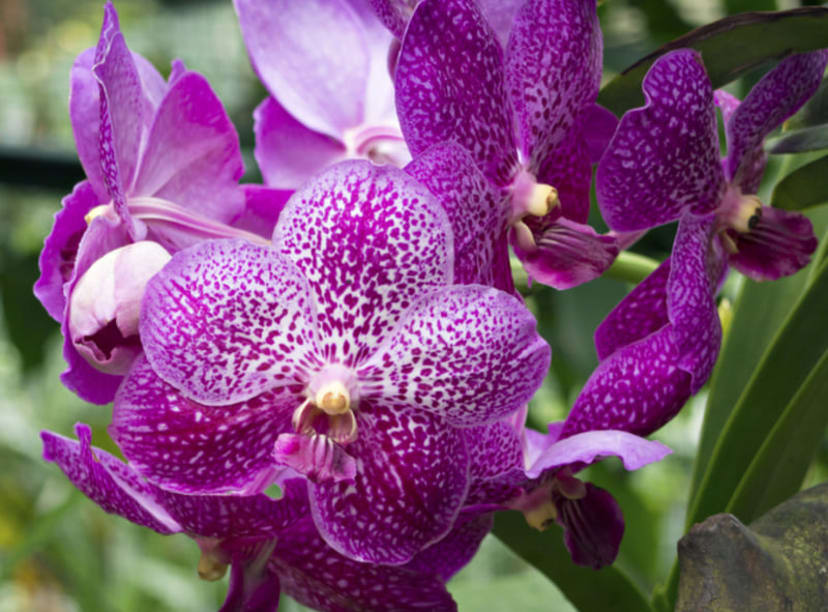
241	529
664	160
355	290
658	345
127	123
526	115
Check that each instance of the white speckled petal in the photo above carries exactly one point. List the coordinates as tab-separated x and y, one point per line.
191	448
469	354
370	240
664	157
412	476
450	86
226	320
322	579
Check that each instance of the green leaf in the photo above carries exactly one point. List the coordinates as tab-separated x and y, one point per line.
814	138
608	589
794	352
758	313
730	47
778	469
804	187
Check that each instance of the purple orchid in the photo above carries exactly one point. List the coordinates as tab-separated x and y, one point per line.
162	162
271	545
517	468
325	104
664	160
343	353
528	118
659	345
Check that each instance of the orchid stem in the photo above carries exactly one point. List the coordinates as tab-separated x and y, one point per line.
631	267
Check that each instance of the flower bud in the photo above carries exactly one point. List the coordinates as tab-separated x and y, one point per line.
105	304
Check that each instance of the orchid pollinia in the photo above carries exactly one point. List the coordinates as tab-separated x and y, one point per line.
359	341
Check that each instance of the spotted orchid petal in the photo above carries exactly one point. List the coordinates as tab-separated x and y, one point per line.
496	467
296	49
777	96
318	577
476	211
469	354
226	320
192	154
780	244
370	240
564	253
286	150
412	476
450	86
192	448
107	481
553	69
60	248
446	557
664	157
641	385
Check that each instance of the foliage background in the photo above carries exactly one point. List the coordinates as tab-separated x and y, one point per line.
58	551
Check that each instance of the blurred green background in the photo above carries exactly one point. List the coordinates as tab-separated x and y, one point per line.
58	551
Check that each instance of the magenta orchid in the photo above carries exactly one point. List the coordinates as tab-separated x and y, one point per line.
659	345
324	105
343	353
528	119
162	162
271	545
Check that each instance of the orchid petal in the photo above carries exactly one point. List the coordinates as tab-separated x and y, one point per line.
108	482
598	126
296	49
568	169
192	154
664	157
192	448
370	240
477	212
553	70
288	153
450	86
60	248
779	245
469	354
642	312
777	96
226	320
637	389
412	476
588	447
567	254
316	576
496	465
262	207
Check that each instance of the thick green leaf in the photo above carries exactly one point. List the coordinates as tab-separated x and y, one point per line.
792	355
804	187
608	589
758	313
814	138
779	467
730	47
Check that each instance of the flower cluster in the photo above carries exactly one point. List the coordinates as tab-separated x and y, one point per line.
350	331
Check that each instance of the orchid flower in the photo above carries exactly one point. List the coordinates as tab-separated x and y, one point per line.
528	119
659	345
162	162
516	468
343	353
325	66
270	545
